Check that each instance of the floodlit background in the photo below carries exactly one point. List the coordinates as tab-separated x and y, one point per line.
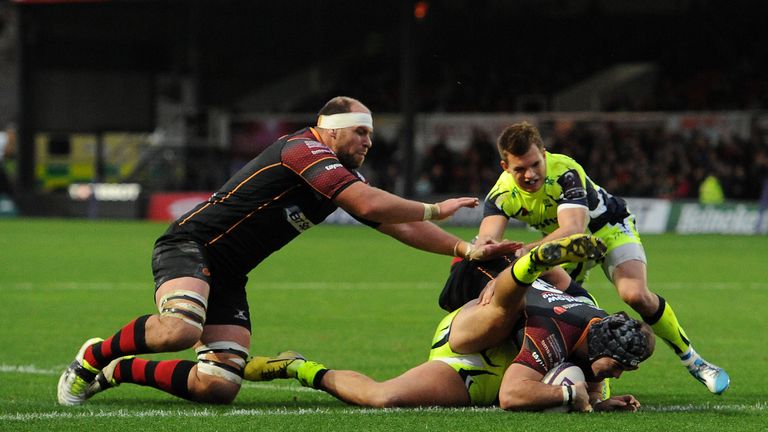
113	108
117	116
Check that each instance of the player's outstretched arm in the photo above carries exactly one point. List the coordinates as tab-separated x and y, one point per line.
377	205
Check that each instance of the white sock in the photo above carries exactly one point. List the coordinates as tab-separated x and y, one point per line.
688	357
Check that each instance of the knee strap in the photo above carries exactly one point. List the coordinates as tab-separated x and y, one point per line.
224	359
188	306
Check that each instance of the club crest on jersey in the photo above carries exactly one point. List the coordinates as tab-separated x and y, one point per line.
296	217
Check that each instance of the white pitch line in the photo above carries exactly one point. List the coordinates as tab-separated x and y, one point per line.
34	370
122	413
29	369
758	406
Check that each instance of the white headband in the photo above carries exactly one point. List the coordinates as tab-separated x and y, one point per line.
344	120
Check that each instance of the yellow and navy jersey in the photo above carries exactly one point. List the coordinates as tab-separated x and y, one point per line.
566	185
281	193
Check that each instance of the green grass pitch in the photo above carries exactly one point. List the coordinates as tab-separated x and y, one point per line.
355	299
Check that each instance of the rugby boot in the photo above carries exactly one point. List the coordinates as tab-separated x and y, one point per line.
262	368
575	248
74	382
715	378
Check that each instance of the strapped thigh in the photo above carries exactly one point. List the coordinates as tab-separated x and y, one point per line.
188	306
224	359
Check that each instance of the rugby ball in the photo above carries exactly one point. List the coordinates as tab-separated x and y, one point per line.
564	374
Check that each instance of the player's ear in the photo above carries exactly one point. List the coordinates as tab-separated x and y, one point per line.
504	164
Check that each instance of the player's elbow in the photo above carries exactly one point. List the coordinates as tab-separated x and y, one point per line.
369	211
512	400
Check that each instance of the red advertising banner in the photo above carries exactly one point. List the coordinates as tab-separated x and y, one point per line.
170	206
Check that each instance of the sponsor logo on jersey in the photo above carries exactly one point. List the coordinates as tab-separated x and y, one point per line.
323	150
553	297
560	310
314	144
296	217
333	166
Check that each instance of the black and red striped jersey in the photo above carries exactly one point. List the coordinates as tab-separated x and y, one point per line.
284	191
555	324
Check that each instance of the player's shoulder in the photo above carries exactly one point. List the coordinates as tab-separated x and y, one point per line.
558	164
304	141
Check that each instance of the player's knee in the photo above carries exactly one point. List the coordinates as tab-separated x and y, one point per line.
214	390
638	299
220	370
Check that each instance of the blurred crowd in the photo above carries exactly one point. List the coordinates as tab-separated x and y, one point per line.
628	162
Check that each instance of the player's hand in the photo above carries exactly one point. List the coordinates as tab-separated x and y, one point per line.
581	398
522	251
451	206
487	293
619	403
492	250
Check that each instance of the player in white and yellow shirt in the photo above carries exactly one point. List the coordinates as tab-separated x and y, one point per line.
552	193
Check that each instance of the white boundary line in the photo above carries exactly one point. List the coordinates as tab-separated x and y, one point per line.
122	413
236	412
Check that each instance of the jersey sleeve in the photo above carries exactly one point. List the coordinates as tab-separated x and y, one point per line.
491	209
318	165
572	182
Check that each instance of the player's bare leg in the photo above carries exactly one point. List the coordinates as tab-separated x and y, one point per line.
433	383
477	327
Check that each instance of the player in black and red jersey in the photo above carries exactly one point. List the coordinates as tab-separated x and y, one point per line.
201	262
498	352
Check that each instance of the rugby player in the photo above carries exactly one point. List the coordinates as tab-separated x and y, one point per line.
200	264
552	193
475	359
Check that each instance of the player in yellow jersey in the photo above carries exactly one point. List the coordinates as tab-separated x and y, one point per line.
553	194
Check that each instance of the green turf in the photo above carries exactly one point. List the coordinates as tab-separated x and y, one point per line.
352	298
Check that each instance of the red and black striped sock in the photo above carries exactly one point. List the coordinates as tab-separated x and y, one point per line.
128	341
168	375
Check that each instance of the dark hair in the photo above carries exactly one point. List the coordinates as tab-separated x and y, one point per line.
621	338
339	104
518	139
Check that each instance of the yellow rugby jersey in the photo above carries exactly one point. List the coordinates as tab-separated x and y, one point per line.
566	185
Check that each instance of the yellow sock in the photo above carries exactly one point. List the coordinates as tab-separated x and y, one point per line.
668	329
310	374
525	271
